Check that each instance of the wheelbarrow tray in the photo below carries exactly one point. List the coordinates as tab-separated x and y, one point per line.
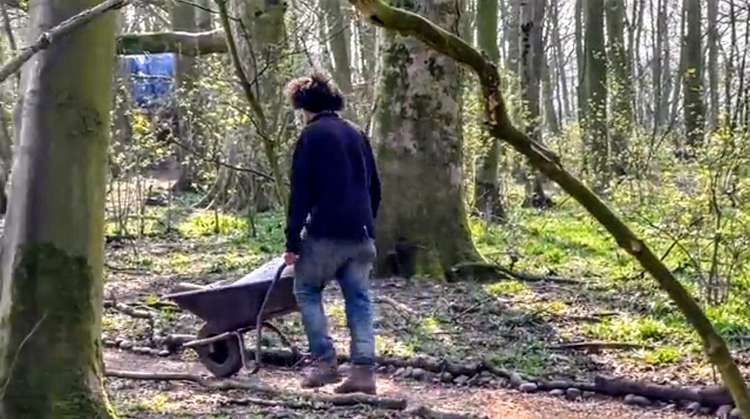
235	306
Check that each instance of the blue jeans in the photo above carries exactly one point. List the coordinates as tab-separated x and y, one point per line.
350	263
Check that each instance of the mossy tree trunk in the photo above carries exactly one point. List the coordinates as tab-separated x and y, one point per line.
550	164
620	86
50	305
487	195
595	86
419	151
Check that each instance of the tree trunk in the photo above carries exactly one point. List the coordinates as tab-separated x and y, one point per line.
559	62
582	102
620	86
532	57
487	197
338	35
420	152
595	76
513	35
693	79
6	144
713	63
50	305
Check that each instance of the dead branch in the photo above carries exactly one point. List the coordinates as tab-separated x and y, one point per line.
597	346
713	396
397	305
489	271
53	35
425	412
223	385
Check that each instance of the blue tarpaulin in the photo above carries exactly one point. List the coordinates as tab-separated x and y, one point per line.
151	79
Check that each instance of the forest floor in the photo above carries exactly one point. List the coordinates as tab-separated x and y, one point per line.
514	324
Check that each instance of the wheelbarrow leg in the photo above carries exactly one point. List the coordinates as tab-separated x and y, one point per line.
259	318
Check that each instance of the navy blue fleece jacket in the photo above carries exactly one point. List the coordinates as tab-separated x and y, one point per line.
334	181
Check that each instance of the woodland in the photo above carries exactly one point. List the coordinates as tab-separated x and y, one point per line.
564	232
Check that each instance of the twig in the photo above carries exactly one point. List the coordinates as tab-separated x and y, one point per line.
48	38
395	304
425	412
600	345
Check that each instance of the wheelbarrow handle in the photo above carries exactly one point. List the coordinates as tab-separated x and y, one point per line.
259	317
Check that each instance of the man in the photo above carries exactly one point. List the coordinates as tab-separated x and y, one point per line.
335	194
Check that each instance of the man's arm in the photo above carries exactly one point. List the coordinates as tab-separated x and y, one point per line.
300	197
372	168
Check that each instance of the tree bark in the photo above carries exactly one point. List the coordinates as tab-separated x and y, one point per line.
338	34
532	63
487	196
542	158
595	82
52	248
620	86
693	79
420	153
713	63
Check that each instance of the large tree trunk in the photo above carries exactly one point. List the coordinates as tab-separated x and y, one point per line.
620	85
559	62
532	57
418	129
595	82
6	142
50	306
693	78
487	197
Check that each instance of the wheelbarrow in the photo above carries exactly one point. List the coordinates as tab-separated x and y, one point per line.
233	309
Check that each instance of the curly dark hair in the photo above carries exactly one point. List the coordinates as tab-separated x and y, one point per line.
315	93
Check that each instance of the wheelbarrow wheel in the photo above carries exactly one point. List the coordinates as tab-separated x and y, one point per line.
222	358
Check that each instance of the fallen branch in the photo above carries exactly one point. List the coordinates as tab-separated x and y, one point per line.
713	396
223	385
53	35
597	346
425	412
184	43
488	271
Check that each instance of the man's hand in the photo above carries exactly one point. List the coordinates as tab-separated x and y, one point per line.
290	258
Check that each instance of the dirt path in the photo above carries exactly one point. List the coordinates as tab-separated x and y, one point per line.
162	400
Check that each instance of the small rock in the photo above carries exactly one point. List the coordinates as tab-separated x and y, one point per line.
408	372
109	343
735	414
528	387
557	392
382	369
392	369
635	400
126	344
484	381
573	394
706	410
588	394
164	353
418	374
515	380
723	412
446	377
461	380
473	380
693	407
142	350
400	372
485	374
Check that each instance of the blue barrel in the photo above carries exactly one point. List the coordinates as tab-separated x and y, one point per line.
151	79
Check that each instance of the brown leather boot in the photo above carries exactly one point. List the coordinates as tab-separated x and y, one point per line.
361	380
320	373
